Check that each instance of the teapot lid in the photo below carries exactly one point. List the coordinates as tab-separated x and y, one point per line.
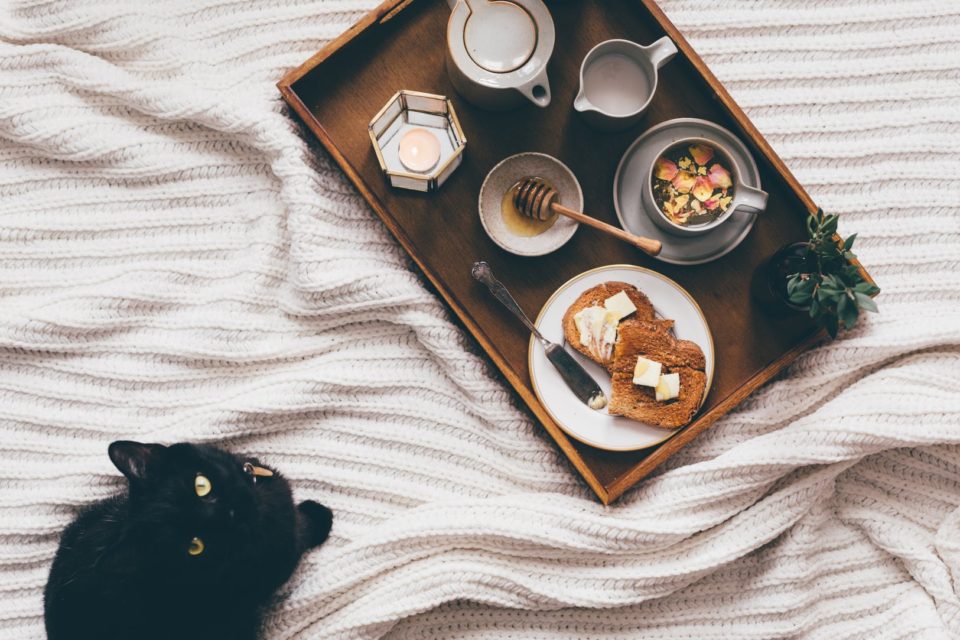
499	36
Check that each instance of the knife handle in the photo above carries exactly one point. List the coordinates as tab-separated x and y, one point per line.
580	382
483	273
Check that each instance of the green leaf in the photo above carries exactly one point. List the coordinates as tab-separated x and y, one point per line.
847	312
830	297
814	308
827	248
799	286
800	299
866	288
852	271
850	319
850	275
831	324
830	225
792	283
866	302
812	225
849	242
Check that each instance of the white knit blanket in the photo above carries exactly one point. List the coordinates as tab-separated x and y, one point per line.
176	263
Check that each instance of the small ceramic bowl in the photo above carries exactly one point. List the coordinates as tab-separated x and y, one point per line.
745	198
506	174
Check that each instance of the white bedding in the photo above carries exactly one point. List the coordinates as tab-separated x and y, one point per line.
175	263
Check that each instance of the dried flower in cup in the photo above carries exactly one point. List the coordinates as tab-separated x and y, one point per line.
691	185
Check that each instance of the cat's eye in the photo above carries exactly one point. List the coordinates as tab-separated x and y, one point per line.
196	547
202	485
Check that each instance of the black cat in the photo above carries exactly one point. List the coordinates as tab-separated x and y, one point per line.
192	551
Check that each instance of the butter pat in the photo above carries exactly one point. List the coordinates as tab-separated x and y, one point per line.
668	387
619	306
590	323
647	372
598	331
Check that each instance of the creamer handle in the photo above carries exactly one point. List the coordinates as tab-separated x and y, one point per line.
661	51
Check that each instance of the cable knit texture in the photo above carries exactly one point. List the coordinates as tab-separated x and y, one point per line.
176	263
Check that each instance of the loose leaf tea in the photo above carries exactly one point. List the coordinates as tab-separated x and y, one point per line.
691	186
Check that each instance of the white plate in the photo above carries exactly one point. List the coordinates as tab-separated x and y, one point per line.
598	428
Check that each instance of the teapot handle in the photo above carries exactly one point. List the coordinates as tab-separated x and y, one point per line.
537	90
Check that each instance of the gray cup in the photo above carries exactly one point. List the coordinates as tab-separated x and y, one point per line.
747	199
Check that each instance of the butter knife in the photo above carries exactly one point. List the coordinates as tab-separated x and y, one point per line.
583	386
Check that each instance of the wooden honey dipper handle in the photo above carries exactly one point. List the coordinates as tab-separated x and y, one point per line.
647	245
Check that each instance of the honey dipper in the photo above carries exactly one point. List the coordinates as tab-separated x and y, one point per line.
535	199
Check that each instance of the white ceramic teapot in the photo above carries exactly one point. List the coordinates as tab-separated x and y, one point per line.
497	52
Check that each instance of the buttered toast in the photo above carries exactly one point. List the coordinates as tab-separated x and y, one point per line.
653	341
596	296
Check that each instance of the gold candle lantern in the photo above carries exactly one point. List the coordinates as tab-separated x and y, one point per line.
418	140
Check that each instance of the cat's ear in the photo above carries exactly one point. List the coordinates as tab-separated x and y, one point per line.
134	459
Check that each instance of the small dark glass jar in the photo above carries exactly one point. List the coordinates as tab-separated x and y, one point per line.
769	285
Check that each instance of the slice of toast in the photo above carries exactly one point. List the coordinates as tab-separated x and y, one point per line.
654	341
595	296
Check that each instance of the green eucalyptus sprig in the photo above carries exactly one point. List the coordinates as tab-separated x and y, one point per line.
824	280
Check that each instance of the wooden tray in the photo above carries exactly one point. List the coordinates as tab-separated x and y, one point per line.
400	45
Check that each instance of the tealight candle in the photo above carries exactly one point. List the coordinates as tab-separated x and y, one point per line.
419	150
